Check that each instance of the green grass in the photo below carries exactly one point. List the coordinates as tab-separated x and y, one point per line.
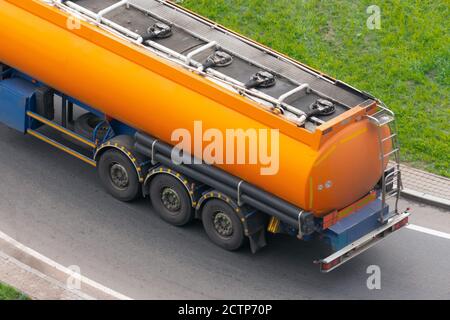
405	63
8	293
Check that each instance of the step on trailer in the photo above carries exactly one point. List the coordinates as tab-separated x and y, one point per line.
128	73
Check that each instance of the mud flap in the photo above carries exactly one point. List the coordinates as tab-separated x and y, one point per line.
256	225
258	240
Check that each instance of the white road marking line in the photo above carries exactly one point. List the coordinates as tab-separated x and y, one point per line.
61	268
432	232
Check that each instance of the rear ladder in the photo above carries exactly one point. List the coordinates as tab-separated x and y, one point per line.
391	176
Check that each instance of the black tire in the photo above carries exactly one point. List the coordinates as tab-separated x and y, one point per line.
216	227
86	124
171	200
111	168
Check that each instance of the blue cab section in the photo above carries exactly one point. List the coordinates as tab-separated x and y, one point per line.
356	225
17	96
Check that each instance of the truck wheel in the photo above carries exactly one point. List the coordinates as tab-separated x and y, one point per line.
222	225
171	200
118	175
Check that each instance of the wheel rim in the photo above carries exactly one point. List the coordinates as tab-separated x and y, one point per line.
119	176
223	224
171	199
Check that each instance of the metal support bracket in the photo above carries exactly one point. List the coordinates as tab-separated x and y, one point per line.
153	152
199	50
111	8
300	88
300	232
239	202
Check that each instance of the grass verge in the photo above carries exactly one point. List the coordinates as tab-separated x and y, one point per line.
9	293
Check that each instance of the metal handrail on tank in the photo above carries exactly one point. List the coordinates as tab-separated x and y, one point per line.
187	61
200	50
249	42
280	57
111	8
99	19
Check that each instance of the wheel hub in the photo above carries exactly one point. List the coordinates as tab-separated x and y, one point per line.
119	176
171	199
223	224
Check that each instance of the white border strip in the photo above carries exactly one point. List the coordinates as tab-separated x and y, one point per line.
429	231
427	198
57	266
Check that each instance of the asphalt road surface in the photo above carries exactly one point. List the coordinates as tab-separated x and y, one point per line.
54	204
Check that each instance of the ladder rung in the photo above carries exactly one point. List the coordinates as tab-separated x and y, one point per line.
378	112
392	194
383	111
391	153
387	122
393	191
390	137
392	182
393	174
394	168
381	124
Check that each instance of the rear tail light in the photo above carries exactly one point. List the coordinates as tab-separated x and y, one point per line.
330	265
400	224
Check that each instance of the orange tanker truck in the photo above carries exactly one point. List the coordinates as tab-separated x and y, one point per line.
206	123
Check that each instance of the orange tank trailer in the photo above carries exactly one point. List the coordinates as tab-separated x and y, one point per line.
319	171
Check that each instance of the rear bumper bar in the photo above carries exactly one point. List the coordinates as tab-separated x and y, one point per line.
362	244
